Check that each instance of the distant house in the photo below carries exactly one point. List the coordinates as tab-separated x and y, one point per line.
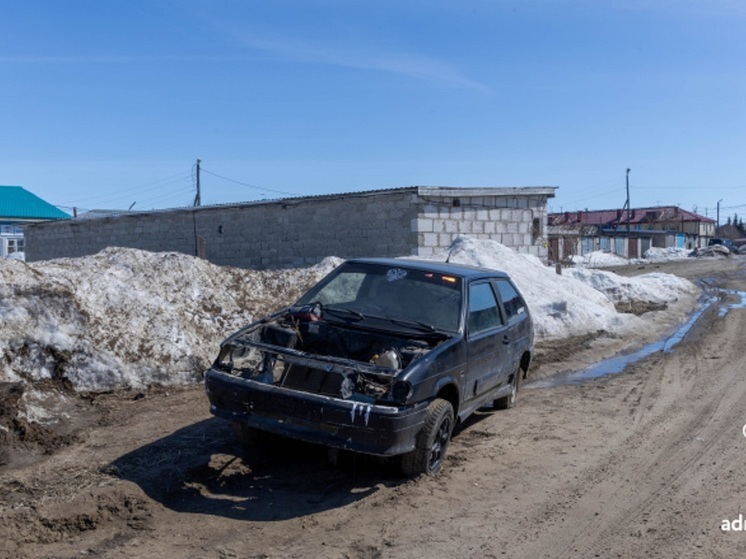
18	208
626	233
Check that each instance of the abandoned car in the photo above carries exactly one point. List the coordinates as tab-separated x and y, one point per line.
382	356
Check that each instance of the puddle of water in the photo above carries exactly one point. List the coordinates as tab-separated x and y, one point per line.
739	305
617	364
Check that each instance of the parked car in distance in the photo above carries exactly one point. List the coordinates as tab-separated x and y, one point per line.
727	243
383	357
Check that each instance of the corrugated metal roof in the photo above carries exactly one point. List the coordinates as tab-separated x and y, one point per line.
657	214
18	203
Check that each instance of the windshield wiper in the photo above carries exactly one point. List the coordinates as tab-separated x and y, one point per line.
416	324
339	310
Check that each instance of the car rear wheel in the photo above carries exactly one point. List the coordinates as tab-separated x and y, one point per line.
432	440
507	402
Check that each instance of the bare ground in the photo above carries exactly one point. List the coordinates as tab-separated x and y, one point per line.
647	463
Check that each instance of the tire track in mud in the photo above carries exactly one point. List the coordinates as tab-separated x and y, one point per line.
621	493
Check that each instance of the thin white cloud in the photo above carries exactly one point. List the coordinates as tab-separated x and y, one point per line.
413	66
410	65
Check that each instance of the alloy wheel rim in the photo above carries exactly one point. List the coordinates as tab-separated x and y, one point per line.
439	444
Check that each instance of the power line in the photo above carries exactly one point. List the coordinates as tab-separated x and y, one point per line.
597	195
129	193
733	207
247	184
164	196
691	187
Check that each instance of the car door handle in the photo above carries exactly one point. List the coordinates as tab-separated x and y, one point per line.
506	340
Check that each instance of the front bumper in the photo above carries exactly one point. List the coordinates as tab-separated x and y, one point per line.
315	418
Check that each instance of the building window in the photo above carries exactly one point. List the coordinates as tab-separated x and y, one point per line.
14	245
536	229
10	230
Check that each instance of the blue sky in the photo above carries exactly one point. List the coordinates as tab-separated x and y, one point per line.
106	104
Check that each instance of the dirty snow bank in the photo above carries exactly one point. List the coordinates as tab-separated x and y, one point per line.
654	254
129	318
598	259
653	288
578	302
601	259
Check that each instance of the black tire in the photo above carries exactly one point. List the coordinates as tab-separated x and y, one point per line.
432	440
507	402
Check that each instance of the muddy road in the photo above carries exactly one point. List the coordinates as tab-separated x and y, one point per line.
647	463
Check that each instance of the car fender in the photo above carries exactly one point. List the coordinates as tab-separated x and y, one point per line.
450	385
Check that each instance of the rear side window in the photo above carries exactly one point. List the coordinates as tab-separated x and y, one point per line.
483	311
512	301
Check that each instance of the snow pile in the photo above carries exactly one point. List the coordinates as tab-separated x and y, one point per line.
128	318
598	259
601	259
578	302
654	254
654	289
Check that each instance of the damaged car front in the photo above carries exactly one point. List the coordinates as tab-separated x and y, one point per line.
352	364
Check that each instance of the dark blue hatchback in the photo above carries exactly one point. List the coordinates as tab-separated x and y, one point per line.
383	356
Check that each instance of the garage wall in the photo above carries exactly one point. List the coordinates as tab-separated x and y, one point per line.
516	218
302	231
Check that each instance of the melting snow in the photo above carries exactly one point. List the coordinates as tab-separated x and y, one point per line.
130	318
579	301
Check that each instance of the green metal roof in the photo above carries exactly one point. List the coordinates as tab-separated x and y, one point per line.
18	203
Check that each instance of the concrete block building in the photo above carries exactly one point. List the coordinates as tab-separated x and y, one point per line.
626	233
416	221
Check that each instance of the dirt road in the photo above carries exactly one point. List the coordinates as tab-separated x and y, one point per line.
647	463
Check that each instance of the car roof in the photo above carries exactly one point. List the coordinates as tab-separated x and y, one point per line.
449	268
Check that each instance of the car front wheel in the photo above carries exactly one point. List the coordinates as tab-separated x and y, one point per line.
432	440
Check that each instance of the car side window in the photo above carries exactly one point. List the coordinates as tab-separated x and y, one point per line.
512	301
483	310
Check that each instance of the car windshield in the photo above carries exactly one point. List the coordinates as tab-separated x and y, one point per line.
411	297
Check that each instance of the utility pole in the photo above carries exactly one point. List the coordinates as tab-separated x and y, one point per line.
198	197
718	217
629	240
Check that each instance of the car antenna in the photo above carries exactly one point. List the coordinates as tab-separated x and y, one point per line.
448	258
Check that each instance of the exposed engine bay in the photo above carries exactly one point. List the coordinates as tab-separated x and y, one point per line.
301	350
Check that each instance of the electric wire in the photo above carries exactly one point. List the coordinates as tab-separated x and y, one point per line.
126	193
129	193
247	184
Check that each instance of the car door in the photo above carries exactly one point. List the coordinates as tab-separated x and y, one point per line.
488	343
515	312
